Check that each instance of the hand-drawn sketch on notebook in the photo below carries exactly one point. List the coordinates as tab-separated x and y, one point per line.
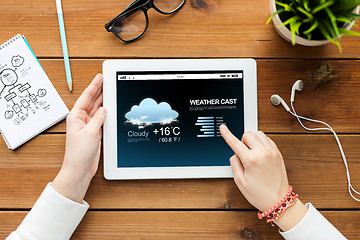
21	100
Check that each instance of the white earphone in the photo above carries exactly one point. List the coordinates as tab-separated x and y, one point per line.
298	86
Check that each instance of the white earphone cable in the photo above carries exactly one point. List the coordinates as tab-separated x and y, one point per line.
329	128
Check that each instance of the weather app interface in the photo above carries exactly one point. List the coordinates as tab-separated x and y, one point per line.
172	119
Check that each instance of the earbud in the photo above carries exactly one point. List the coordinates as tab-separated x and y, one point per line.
276	100
298	86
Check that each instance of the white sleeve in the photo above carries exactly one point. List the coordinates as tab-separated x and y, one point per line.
313	226
52	217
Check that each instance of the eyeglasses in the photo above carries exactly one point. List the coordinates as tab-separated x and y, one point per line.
133	21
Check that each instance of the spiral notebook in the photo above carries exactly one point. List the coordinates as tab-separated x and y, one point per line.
29	103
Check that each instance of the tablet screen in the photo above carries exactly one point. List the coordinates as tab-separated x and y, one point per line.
172	119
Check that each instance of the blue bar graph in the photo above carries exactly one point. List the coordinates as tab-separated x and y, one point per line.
209	126
205	124
201	118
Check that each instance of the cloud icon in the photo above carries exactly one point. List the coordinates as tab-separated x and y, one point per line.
17	61
149	112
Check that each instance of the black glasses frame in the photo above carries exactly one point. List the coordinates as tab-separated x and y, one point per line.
137	5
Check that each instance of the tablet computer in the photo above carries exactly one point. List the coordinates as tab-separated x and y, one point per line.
163	116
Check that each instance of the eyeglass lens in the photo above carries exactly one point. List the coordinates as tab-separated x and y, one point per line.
131	26
134	24
167	6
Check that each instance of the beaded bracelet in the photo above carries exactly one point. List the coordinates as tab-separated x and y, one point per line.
278	210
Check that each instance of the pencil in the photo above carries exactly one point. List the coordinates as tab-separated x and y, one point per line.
64	44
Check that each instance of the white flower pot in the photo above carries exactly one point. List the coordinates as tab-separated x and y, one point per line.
285	33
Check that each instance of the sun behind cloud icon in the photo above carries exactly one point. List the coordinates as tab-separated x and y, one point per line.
149	112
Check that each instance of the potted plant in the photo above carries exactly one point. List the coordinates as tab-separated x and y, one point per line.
314	22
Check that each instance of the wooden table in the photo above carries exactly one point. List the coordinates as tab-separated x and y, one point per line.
190	209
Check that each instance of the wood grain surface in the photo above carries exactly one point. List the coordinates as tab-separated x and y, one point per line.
315	169
229	28
194	208
181	225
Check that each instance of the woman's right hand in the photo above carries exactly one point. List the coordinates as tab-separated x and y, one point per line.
260	174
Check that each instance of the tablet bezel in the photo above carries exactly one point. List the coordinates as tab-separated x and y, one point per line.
111	67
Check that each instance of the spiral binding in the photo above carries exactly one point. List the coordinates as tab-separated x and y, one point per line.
10	41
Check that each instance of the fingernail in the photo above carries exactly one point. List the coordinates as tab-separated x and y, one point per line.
223	127
101	110
99	75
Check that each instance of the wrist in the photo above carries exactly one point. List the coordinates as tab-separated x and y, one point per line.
71	185
287	213
292	216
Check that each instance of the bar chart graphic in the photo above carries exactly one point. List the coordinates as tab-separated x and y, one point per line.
209	126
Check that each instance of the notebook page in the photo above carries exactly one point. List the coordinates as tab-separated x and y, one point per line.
29	103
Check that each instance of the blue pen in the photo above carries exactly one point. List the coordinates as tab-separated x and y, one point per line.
64	44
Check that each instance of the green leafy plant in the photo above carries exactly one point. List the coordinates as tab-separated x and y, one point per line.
317	19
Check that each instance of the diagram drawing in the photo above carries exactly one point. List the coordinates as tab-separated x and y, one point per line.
20	99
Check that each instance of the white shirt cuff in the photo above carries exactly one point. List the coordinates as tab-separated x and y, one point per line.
313	226
52	217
